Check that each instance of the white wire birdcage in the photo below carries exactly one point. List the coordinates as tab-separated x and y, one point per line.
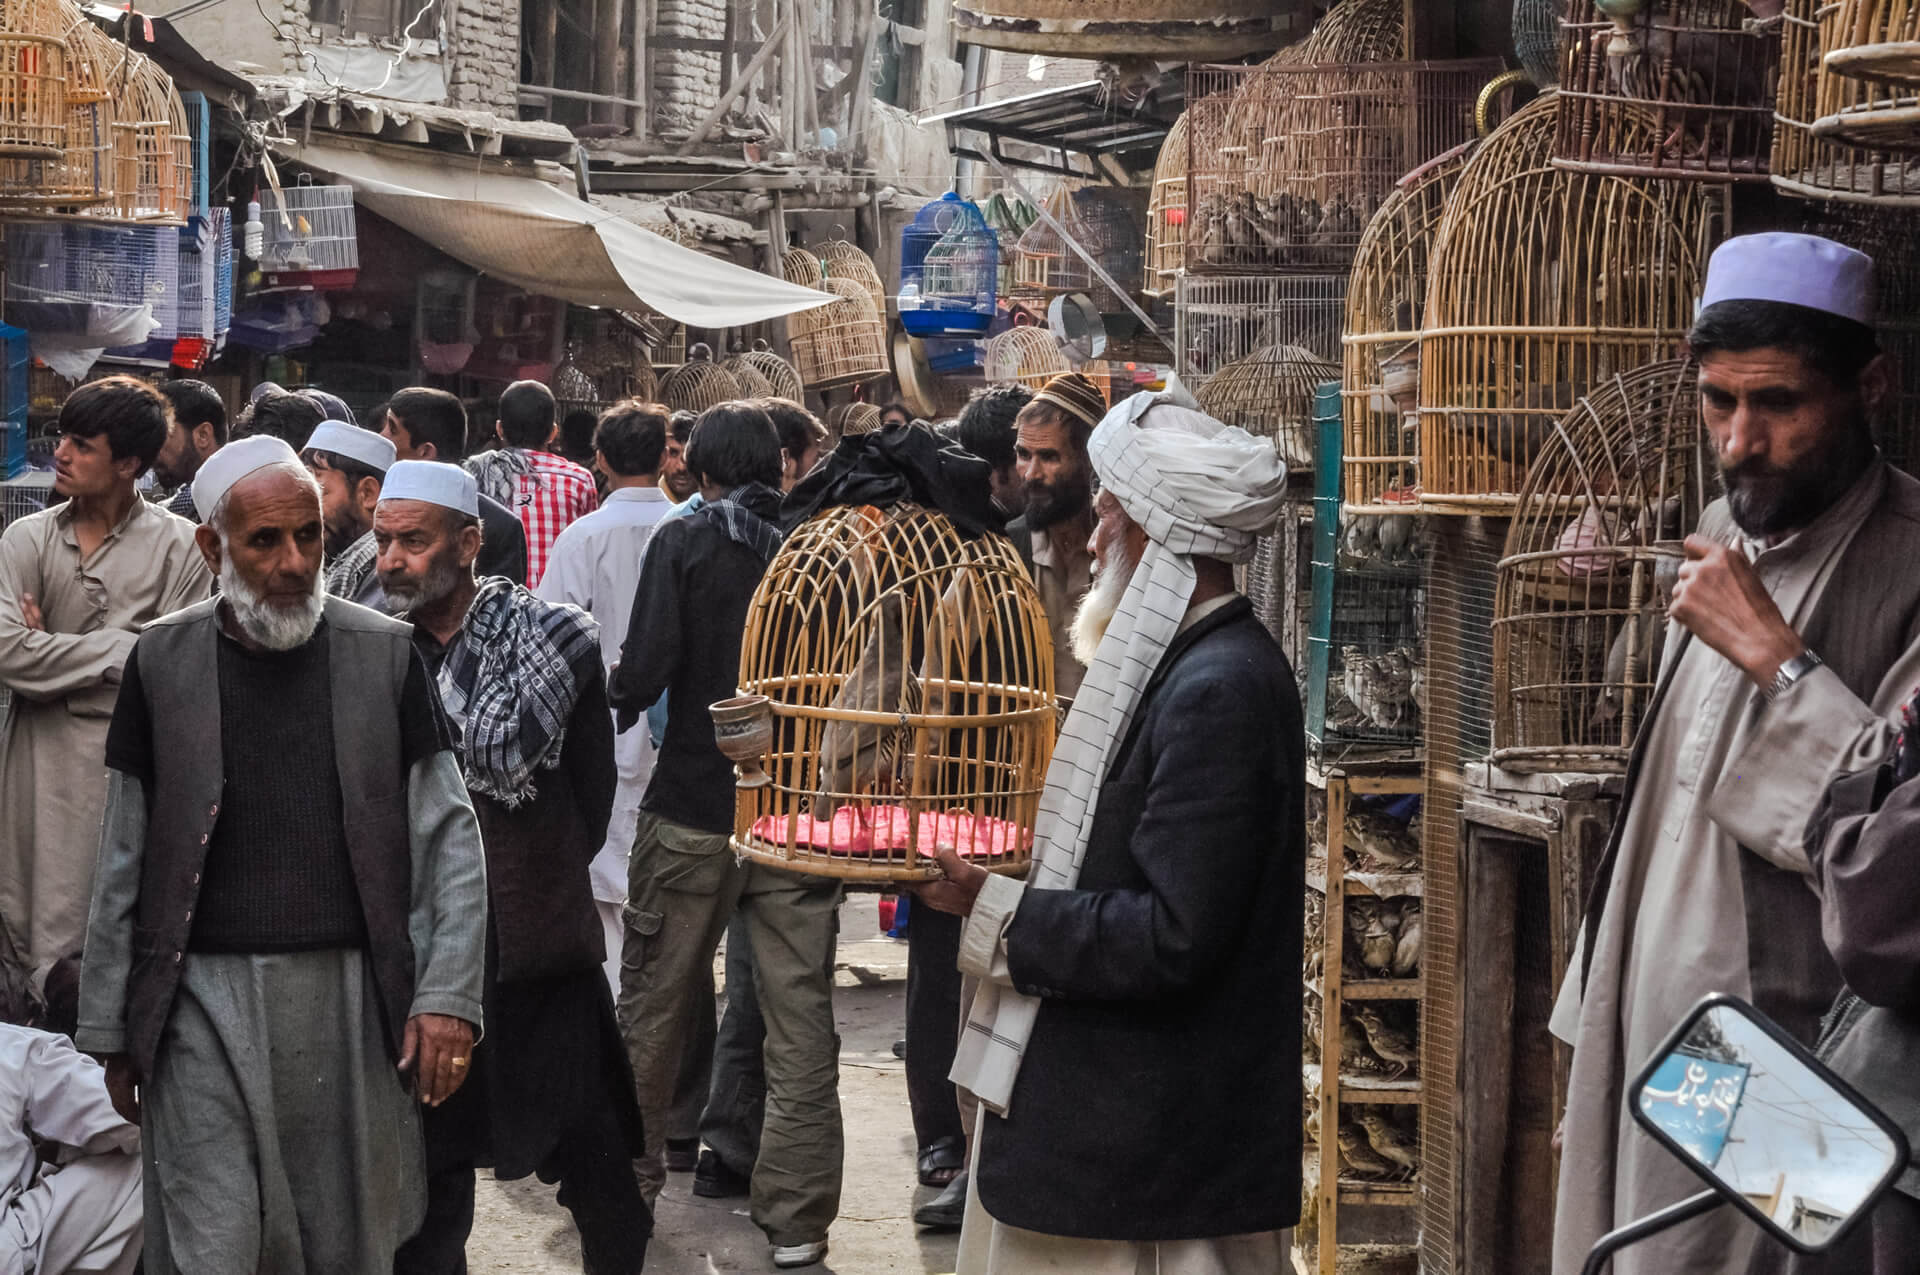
1221	319
93	280
309	230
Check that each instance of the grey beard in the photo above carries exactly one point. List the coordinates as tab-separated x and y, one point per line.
276	628
441	579
1097	609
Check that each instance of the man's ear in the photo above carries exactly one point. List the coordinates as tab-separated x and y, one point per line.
367	499
1877	381
204	443
427	451
207	540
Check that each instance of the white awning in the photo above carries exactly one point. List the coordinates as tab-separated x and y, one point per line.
536	236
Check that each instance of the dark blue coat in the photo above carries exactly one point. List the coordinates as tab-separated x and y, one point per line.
1160	1094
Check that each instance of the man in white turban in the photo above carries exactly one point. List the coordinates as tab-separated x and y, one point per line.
1136	1039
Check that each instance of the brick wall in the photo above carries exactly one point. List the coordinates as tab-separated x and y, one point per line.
686	84
483	43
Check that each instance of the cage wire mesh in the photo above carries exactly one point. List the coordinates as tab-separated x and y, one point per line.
1536	40
1462	556
910	674
222	219
33	79
950	268
309	230
1588	568
752	383
1279	579
1692	67
1364	662
109	284
1868	93
1541	282
839	343
1219	319
1270	394
1111	215
1826	168
1380	350
1027	355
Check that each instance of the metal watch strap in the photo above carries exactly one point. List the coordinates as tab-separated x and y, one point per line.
1790	672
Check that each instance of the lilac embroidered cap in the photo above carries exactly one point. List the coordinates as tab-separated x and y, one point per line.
435	482
1796	269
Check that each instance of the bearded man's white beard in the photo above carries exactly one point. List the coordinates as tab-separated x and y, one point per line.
439	580
1098	607
278	628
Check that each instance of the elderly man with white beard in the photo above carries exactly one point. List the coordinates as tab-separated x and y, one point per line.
1136	1037
288	922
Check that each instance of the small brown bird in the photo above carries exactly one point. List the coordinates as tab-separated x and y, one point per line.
1387	1138
1355	1053
1406	952
1310	1122
1380	844
1377	946
1396	1048
1357	1155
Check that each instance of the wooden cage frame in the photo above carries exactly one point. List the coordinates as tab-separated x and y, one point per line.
752	383
153	144
1542	282
1380	350
1579	611
1044	267
843	260
1270	393
81	175
840	343
699	384
33	79
783	381
803	266
908	666
1877	41
1868	92
1826	168
1027	355
1604	95
849	419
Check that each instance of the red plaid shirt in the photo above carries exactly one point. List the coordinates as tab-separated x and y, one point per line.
547	500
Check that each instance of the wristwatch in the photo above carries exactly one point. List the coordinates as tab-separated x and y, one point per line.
1789	673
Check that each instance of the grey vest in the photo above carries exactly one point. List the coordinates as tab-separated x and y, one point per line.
368	656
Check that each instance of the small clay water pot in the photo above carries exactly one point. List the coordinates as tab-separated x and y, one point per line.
743	730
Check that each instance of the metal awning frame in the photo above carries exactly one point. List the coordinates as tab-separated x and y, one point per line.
1069	121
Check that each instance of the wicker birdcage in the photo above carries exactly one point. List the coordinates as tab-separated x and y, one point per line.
1380	350
1868	91
781	378
848	419
1311	149
1220	319
1824	168
573	389
1166	29
1044	267
839	343
1692	68
909	674
1536	40
752	384
1270	393
81	175
153	143
843	260
1167	206
698	384
1027	355
1590	560
802	266
1543	282
33	79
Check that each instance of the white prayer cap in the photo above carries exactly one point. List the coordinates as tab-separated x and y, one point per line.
375	451
435	482
232	463
1796	269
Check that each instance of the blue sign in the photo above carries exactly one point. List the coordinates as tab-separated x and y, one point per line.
1693	1101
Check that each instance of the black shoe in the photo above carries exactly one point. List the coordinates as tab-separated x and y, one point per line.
682	1154
899	1049
947	1210
713	1180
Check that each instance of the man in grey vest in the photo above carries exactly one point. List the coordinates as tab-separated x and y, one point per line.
287	936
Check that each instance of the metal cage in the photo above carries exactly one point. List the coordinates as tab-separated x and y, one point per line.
1220	319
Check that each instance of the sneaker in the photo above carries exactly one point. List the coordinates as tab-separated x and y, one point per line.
947	1210
789	1255
713	1180
682	1154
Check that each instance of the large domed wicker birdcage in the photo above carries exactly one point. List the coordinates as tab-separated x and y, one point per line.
1027	355
840	343
1380	372
1691	67
848	419
699	383
752	384
781	379
1270	393
33	79
1826	168
153	143
1868	93
1044	267
1591	556
842	260
1542	283
802	266
908	674
81	175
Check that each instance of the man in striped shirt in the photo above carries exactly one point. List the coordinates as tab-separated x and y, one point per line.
546	491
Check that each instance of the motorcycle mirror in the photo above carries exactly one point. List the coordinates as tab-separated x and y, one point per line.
1769	1127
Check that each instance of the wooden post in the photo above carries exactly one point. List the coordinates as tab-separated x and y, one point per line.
732	93
643	19
860	110
548	35
1333	922
606	59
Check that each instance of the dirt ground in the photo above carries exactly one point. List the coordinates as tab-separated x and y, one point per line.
518	1228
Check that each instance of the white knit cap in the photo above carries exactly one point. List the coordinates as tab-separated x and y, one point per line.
1796	269
375	451
435	482
232	463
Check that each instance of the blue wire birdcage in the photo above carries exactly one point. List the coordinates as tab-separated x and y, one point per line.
13	401
200	126
223	271
949	260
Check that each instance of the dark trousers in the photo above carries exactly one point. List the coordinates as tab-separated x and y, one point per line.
933	1023
737	1100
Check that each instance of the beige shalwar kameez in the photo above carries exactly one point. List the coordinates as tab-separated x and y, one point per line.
53	769
1721	769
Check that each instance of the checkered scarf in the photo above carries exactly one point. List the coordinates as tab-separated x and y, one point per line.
510	684
735	517
1198	489
498	473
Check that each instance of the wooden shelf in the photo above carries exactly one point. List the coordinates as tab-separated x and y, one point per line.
1356	1087
1372	989
1365	1191
1386	885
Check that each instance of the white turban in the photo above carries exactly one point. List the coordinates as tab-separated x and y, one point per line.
1198	488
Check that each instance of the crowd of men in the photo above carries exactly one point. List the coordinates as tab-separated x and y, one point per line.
362	826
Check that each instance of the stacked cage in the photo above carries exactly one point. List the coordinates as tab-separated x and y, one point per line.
152	143
574	390
93	286
840	343
1691	68
699	383
80	174
1366	671
1221	319
949	270
848	419
1869	86
1542	282
781	380
311	236
33	79
1826	168
842	260
1588	570
1380	350
898	680
1270	394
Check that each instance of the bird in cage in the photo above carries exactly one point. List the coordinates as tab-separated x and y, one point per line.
1406	952
1394	536
856	757
1357	1155
1380	844
1652	57
1359	540
1317	822
1355	1053
1633	658
1310	1117
1390	1142
1378	942
1310	1022
1397	1048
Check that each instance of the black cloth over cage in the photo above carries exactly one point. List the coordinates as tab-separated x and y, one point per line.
895	466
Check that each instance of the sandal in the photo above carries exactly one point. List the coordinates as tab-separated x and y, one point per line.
942	1160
